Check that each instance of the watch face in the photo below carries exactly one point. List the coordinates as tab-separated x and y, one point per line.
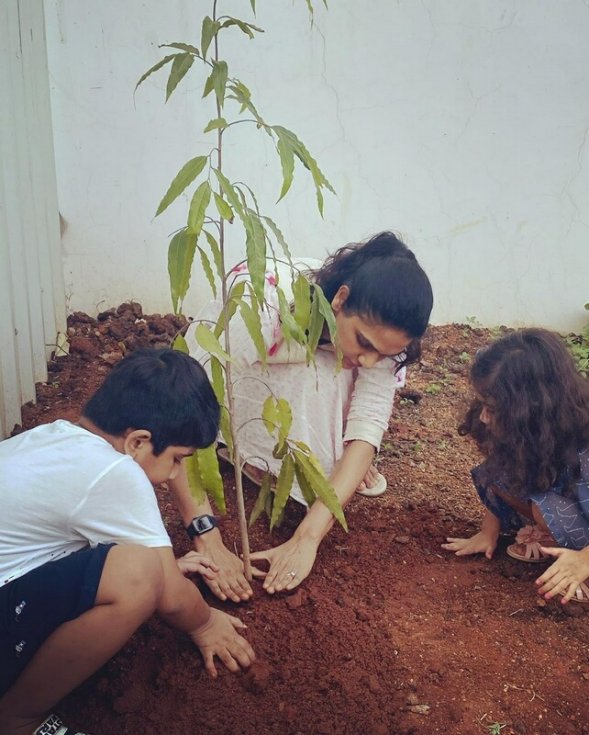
203	524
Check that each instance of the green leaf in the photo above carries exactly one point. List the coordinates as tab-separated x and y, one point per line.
325	310
223	208
155	67
208	464
283	488
263	496
233	301
230	193
301	290
306	489
290	329
180	258
195	481
219	123
219	76
180	344
206	265
181	47
216	253
207	340
180	66
315	328
279	237
255	246
251	319
320	484
183	178
284	418
218	380
198	207
247	28
270	415
286	154
253	4
208	30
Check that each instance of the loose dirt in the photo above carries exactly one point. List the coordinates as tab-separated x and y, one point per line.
389	635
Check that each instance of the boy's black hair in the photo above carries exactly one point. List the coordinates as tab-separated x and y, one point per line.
387	286
164	391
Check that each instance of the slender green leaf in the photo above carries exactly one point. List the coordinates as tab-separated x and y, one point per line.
209	85
301	290
206	265
286	154
180	258
225	425
279	237
180	66
223	208
251	319
218	380
321	485
219	75
208	464
155	67
219	123
253	4
180	344
198	207
182	47
306	488
316	323
233	301
284	418
216	253
283	488
263	496
247	28
207	340
195	481
208	31
290	329
183	178
230	193
270	415
325	310
255	246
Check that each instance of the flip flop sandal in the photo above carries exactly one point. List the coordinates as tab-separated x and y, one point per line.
377	489
54	726
527	545
581	594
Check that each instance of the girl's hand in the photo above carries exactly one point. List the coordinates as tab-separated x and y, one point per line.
565	574
290	564
219	637
482	542
195	563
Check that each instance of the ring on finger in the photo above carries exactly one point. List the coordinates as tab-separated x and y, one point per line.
292	574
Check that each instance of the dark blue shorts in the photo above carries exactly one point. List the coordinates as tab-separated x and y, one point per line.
36	604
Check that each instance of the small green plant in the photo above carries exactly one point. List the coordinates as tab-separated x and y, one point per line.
473	322
433	389
496	727
218	203
578	345
464	357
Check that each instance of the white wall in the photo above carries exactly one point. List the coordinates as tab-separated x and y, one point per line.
461	124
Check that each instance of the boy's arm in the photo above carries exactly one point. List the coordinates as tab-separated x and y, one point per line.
215	633
230	581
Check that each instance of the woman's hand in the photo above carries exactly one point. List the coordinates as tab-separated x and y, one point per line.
195	563
219	637
565	574
483	542
229	581
290	564
369	478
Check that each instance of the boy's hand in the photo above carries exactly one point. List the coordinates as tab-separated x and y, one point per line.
481	543
195	563
219	637
230	581
565	574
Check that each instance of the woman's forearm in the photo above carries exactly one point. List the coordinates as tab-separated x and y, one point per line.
348	473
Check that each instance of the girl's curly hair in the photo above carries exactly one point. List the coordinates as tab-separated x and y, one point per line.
387	286
538	405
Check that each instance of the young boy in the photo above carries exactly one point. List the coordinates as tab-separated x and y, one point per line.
84	555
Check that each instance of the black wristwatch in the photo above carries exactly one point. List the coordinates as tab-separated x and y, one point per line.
200	525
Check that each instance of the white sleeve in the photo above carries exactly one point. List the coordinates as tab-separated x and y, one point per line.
120	507
372	402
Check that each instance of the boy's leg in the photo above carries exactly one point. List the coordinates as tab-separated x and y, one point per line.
128	593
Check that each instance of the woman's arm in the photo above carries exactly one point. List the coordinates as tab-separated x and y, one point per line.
230	581
291	562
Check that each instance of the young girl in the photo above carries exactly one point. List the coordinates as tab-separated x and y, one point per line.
381	299
530	418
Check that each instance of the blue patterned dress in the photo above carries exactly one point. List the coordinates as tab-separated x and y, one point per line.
567	516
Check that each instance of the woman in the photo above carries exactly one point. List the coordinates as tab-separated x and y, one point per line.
381	299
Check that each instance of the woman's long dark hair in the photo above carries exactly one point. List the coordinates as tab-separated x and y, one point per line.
387	286
539	410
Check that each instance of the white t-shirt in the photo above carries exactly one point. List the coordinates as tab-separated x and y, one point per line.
63	488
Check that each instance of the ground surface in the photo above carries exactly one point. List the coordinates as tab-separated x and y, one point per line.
389	635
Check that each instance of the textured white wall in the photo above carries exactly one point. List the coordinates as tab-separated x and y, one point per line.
461	124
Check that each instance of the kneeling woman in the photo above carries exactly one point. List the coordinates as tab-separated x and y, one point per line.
381	299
